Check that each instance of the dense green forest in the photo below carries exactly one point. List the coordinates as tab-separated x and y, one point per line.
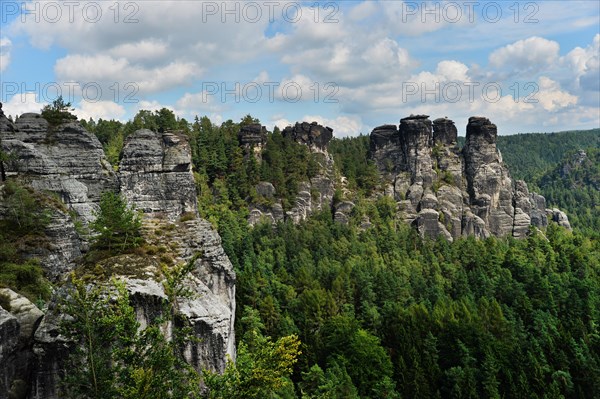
382	313
326	310
530	155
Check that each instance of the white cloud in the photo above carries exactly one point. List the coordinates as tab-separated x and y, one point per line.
84	69
99	110
144	50
202	102
342	126
532	53
452	70
551	97
5	45
585	65
22	103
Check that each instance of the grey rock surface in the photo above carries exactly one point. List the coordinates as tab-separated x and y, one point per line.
313	195
155	174
9	343
65	159
252	135
450	192
311	134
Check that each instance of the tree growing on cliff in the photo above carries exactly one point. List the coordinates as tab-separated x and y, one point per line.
114	357
58	112
117	225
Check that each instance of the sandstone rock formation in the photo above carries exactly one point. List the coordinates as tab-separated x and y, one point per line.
64	159
155	174
311	134
18	322
9	341
313	195
252	135
450	192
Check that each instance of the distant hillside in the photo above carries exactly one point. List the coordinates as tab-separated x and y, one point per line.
529	155
574	186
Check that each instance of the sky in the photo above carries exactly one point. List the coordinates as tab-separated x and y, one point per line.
529	66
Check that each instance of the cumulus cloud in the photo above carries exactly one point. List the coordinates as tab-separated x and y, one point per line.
551	97
343	126
99	110
84	69
528	54
158	45
370	54
5	45
585	65
23	103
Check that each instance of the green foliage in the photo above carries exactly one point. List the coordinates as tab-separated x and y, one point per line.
114	357
58	112
26	213
383	313
261	369
23	227
351	156
26	278
574	186
118	226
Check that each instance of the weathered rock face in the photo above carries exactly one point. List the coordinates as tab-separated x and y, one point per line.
317	194
9	343
444	132
312	134
18	322
444	191
65	159
252	135
489	185
313	195
57	248
156	174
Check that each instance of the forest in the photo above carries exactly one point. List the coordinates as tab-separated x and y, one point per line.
326	310
382	312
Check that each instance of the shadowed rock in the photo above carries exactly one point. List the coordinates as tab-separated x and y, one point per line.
311	134
444	131
254	134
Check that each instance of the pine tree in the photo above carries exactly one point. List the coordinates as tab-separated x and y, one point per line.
117	225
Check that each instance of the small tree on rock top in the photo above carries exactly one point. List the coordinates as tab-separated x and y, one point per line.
118	226
58	112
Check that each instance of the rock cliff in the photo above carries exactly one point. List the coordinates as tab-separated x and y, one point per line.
314	195
64	159
446	191
155	176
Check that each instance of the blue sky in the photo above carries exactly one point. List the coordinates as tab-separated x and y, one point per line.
529	66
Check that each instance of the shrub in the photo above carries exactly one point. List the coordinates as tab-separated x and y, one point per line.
117	225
